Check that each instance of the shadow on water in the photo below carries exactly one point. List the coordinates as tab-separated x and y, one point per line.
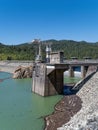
68	90
69	83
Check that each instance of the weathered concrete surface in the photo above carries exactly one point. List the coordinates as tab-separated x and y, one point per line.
87	117
48	79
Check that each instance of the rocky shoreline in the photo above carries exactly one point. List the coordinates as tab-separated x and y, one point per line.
64	110
87	117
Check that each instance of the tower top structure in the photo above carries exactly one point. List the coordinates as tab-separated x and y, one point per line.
39	55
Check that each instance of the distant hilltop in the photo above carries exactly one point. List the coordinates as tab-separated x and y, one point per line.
52	40
28	50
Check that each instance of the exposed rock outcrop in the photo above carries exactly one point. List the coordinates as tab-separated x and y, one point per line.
23	72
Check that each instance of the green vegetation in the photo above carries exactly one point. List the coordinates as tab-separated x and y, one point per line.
28	51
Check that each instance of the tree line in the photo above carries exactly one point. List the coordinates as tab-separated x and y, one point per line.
28	51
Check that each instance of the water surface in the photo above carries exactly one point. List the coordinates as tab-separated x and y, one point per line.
20	109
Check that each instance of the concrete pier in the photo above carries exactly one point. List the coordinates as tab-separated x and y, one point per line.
83	71
71	71
48	79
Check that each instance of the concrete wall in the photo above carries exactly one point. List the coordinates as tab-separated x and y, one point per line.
56	57
43	84
38	79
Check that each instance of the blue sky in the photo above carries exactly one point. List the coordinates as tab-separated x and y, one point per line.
24	20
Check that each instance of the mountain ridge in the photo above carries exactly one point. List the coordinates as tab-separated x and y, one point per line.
29	50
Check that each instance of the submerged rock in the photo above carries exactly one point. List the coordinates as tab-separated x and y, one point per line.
23	72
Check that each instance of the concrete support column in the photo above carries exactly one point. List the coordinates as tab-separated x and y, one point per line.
83	71
71	71
59	81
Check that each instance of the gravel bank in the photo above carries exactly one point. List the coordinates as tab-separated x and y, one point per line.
87	117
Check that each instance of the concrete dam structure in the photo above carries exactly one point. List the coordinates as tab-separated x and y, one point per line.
47	78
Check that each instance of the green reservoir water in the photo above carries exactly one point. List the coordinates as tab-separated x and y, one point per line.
74	80
20	109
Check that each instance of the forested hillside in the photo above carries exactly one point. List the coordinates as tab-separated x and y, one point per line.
28	51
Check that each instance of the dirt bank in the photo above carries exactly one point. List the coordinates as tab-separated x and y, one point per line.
64	110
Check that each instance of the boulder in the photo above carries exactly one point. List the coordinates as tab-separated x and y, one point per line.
23	72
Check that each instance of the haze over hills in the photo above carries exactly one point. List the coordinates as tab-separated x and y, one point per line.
28	51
